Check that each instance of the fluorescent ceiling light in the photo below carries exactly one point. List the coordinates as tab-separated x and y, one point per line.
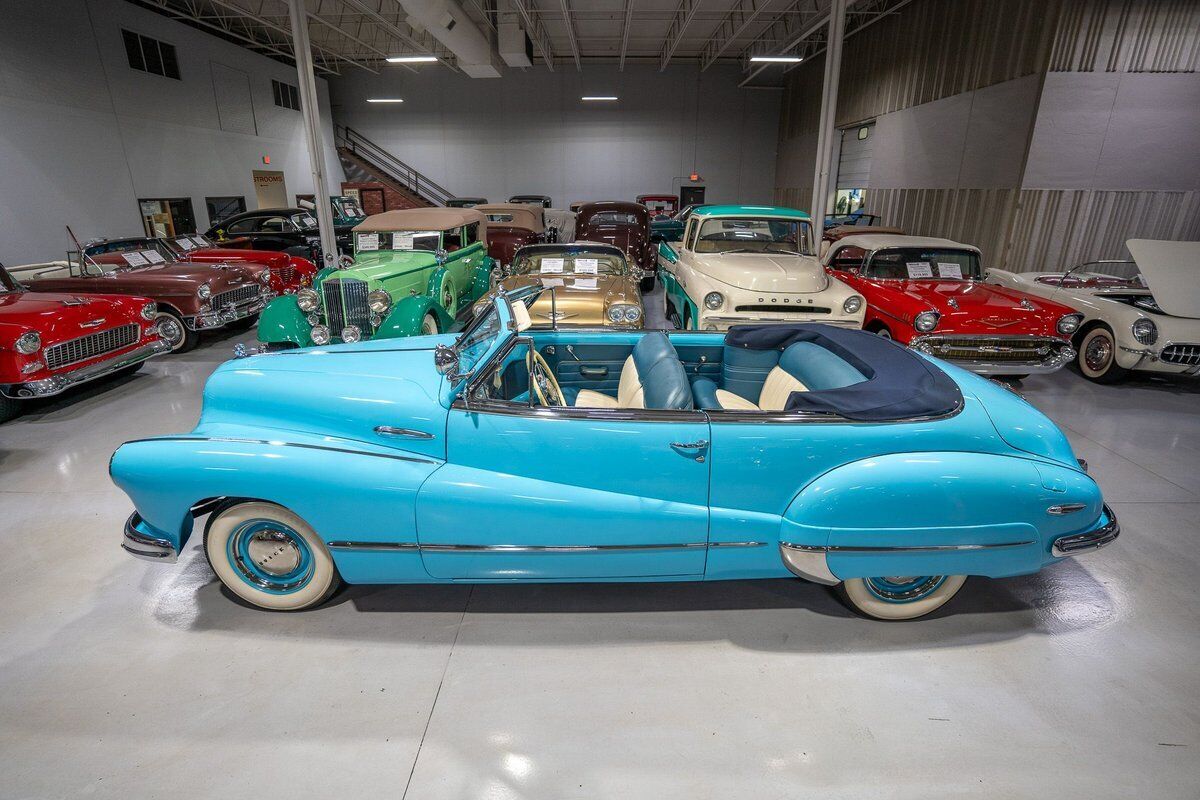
384	100
599	98
777	59
412	59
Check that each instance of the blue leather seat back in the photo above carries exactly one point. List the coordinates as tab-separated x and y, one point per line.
743	372
817	368
664	382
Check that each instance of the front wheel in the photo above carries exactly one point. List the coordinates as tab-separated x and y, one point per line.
429	326
900	596
1098	356
270	557
175	333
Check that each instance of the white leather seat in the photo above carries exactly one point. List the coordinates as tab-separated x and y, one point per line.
629	392
775	391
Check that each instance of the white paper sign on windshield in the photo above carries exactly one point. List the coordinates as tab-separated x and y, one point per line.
552	266
587	266
199	241
186	243
585	283
949	270
135	259
368	241
402	241
919	269
307	221
153	257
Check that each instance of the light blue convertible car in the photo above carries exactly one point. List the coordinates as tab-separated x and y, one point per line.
510	454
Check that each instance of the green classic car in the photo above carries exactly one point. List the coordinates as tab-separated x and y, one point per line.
413	271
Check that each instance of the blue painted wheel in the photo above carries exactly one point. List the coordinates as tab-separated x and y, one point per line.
900	596
270	557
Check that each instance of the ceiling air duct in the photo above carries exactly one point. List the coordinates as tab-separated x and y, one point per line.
449	24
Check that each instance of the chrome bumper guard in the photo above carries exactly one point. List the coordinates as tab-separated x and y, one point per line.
808	562
1080	543
141	545
219	319
56	384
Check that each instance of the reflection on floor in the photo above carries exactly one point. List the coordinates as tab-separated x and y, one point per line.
125	679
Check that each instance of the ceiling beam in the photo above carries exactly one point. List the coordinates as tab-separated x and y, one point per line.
422	47
625	26
683	17
570	26
735	23
266	23
536	31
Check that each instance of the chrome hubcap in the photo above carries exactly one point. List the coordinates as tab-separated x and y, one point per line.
447	299
1098	353
170	330
273	552
904	588
270	556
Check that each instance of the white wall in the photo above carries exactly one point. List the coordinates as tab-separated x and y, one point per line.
83	136
528	132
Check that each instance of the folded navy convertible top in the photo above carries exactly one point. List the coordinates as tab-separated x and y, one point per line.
899	384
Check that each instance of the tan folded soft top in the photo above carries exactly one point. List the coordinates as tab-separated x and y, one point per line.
524	215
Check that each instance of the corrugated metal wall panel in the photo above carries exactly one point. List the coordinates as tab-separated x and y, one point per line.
1127	36
974	216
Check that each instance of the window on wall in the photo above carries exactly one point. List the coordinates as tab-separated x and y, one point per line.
221	207
151	55
286	95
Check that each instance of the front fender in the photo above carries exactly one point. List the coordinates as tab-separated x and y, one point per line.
939	513
406	317
481	279
347	491
283	321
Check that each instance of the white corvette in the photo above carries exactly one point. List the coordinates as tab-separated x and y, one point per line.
1142	314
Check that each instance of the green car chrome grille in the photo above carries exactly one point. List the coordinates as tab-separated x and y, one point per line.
346	304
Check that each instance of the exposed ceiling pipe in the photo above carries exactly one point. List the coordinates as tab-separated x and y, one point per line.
446	21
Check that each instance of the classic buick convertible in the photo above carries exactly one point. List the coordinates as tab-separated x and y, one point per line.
1137	315
832	455
590	285
929	294
738	264
413	270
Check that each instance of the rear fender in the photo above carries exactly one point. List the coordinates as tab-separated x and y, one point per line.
938	513
283	321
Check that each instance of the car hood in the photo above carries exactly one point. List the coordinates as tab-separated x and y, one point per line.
1172	271
58	317
577	300
991	305
375	267
344	391
183	274
270	258
760	272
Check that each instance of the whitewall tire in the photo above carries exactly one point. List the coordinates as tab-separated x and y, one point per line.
270	557
1098	356
900	597
429	325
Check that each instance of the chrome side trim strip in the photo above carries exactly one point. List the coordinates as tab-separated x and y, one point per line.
580	548
1079	543
737	544
933	548
272	443
390	547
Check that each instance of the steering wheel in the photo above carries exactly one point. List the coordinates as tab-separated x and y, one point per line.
545	385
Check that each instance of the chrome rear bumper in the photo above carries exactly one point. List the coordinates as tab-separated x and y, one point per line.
1080	543
57	384
141	545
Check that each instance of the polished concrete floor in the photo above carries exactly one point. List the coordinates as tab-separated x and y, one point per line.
122	679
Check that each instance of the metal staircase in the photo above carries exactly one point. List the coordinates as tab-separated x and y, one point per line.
361	157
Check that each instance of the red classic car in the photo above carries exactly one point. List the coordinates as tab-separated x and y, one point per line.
929	294
289	273
625	225
660	206
191	297
50	342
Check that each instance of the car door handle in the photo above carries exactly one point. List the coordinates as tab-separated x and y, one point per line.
594	372
388	430
700	445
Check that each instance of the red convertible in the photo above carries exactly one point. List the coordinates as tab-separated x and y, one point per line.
289	273
50	342
929	294
624	225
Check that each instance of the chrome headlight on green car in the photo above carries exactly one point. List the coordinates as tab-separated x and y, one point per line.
379	301
308	300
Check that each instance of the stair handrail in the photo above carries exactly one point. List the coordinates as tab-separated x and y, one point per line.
404	174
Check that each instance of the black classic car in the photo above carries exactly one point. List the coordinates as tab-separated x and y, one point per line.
289	230
534	199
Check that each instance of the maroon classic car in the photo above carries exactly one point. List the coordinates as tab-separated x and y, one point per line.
512	226
51	342
289	273
626	225
191	297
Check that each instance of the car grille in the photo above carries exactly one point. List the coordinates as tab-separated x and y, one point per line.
235	297
993	349
774	308
65	354
1188	354
346	304
286	274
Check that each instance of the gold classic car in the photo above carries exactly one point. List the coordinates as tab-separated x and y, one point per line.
590	286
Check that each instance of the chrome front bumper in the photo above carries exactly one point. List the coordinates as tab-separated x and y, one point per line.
1058	355
724	323
218	319
141	545
1080	543
56	384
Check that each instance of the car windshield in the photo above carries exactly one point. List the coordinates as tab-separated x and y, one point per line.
1099	275
185	244
305	221
428	241
564	263
916	263
755	235
478	338
109	257
613	218
348	207
7	284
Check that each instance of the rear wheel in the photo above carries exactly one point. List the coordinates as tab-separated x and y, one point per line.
9	408
270	557
1098	356
429	325
898	597
175	333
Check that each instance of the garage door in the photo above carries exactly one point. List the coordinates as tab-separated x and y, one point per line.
854	164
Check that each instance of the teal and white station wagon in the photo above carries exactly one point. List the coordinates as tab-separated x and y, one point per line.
512	454
742	264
